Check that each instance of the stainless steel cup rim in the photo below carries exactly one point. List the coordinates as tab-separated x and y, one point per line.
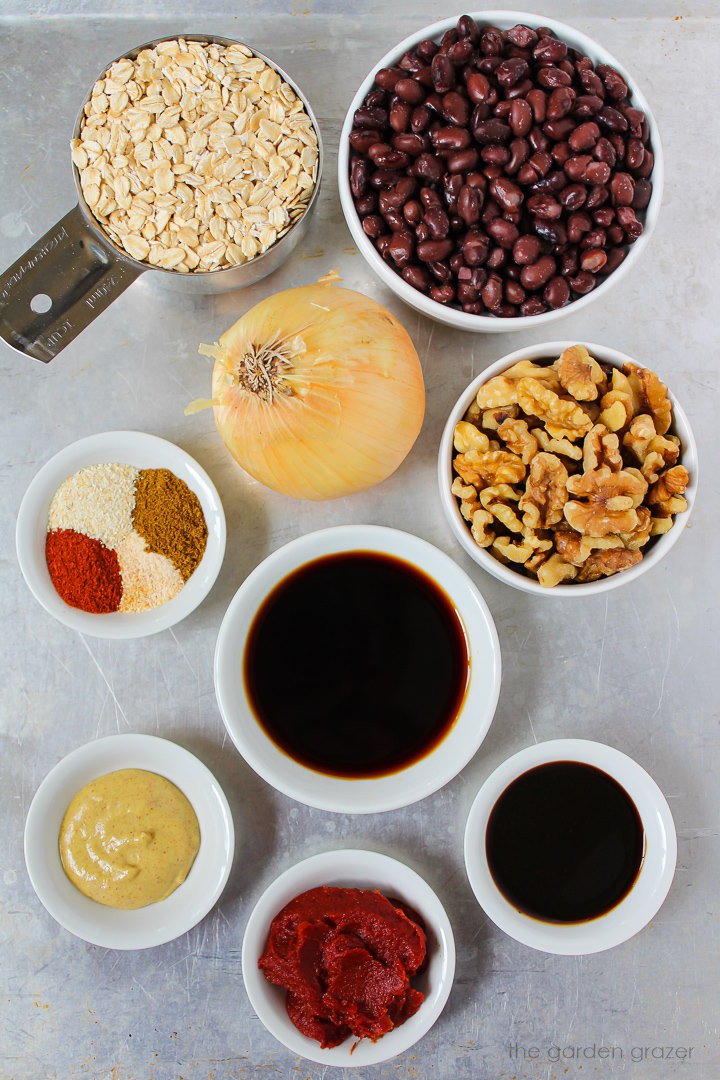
206	39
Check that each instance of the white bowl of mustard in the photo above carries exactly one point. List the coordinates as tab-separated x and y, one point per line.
190	875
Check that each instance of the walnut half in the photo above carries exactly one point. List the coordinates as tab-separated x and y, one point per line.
609	502
579	374
545	492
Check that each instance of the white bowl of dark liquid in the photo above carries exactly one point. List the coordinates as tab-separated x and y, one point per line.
570	847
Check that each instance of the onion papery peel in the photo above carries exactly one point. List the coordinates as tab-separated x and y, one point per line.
317	391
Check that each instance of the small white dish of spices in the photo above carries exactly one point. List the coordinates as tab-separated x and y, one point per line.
162	800
120	535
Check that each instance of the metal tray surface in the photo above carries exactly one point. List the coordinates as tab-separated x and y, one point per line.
636	668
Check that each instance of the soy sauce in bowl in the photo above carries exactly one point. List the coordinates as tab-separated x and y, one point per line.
357	664
564	842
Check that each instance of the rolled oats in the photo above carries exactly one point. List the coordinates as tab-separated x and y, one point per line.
192	131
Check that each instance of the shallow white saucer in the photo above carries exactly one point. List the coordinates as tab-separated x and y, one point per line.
156	923
651	886
363	870
144	452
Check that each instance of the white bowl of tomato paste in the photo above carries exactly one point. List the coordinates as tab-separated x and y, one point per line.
365	952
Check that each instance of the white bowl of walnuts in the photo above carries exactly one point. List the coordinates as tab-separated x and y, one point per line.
567	469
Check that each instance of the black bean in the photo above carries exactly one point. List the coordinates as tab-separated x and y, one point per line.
622	189
573	196
522	36
628	222
409	143
537	100
468	28
582	283
463	160
507	193
587	106
437	222
643	192
400	248
492	131
552	77
373	225
556	293
372	117
452	185
417	276
359	176
425	50
544	206
361	140
559	130
413	212
451	138
442	294
560	103
584	137
475	248
533	306
367	204
552	232
432	251
387	78
410	91
593	260
538	273
400	117
427	167
526	249
597	196
478	88
577	225
503	232
603	217
615	257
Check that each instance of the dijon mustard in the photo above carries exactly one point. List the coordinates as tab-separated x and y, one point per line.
129	838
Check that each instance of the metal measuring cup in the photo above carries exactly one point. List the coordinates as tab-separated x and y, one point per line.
81	271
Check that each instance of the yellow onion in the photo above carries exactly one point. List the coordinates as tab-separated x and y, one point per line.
317	391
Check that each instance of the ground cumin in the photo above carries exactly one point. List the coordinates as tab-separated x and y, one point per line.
168	515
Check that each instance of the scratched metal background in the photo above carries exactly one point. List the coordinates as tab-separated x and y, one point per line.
638	669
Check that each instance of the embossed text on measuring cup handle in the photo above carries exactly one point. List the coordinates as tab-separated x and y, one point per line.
59	286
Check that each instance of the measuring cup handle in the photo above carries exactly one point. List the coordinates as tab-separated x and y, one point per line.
59	286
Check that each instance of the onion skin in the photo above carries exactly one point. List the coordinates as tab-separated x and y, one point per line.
356	396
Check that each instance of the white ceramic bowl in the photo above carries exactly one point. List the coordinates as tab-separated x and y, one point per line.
363	870
144	452
651	886
156	923
359	796
461	320
652	554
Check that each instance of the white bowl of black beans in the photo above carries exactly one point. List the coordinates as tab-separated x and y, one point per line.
498	168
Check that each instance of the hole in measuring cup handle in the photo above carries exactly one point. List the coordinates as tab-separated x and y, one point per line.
40	303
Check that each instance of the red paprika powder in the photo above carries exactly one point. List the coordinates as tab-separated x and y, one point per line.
84	572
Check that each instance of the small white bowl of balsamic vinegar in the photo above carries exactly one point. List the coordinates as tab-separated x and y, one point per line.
570	847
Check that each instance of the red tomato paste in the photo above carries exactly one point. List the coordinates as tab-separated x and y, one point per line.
345	957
